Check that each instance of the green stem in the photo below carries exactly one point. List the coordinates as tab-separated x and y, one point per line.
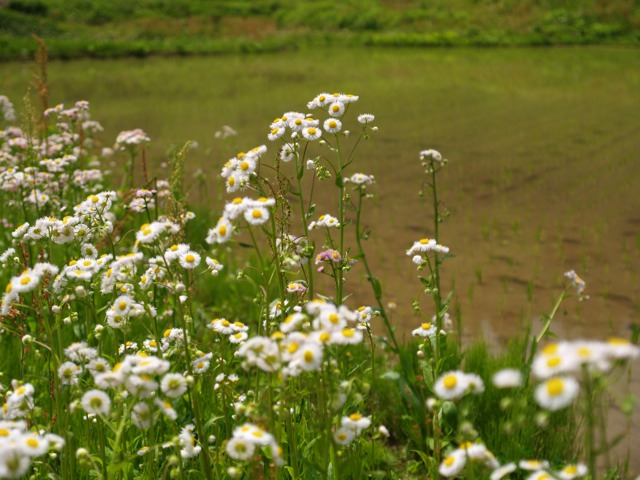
340	185
590	446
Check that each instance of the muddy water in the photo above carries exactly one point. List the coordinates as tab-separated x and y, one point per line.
543	173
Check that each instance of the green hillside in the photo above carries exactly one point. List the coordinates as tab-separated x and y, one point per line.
109	28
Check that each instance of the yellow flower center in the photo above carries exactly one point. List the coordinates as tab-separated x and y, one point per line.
25	280
450	381
449	461
553	362
571	469
244	166
333	124
189	258
550	349
222	230
355	417
555	387
312	131
424	241
348	332
256	213
32	442
426	326
334	318
308	356
293	347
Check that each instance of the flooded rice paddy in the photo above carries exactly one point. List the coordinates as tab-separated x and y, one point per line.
543	149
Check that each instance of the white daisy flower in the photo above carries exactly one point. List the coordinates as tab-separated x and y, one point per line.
98	365
240	448
325	220
620	348
238	337
451	385
347	336
200	365
149	233
309	357
431	155
425	330
25	282
332	125
287	153
33	445
311	133
122	305
173	385
96	402
361	179
214	266
336	109
68	373
545	366
476	385
188	442
533	465
556	393
221	233
453	463
166	408
256	215
189	260
356	422
276	132
365	118
572	471
344	436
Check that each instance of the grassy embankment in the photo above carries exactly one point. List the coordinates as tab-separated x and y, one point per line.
81	28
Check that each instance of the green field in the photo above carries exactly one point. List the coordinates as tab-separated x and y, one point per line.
105	29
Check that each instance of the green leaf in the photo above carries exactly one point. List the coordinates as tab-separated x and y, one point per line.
377	288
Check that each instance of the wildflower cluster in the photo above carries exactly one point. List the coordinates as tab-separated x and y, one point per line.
125	368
